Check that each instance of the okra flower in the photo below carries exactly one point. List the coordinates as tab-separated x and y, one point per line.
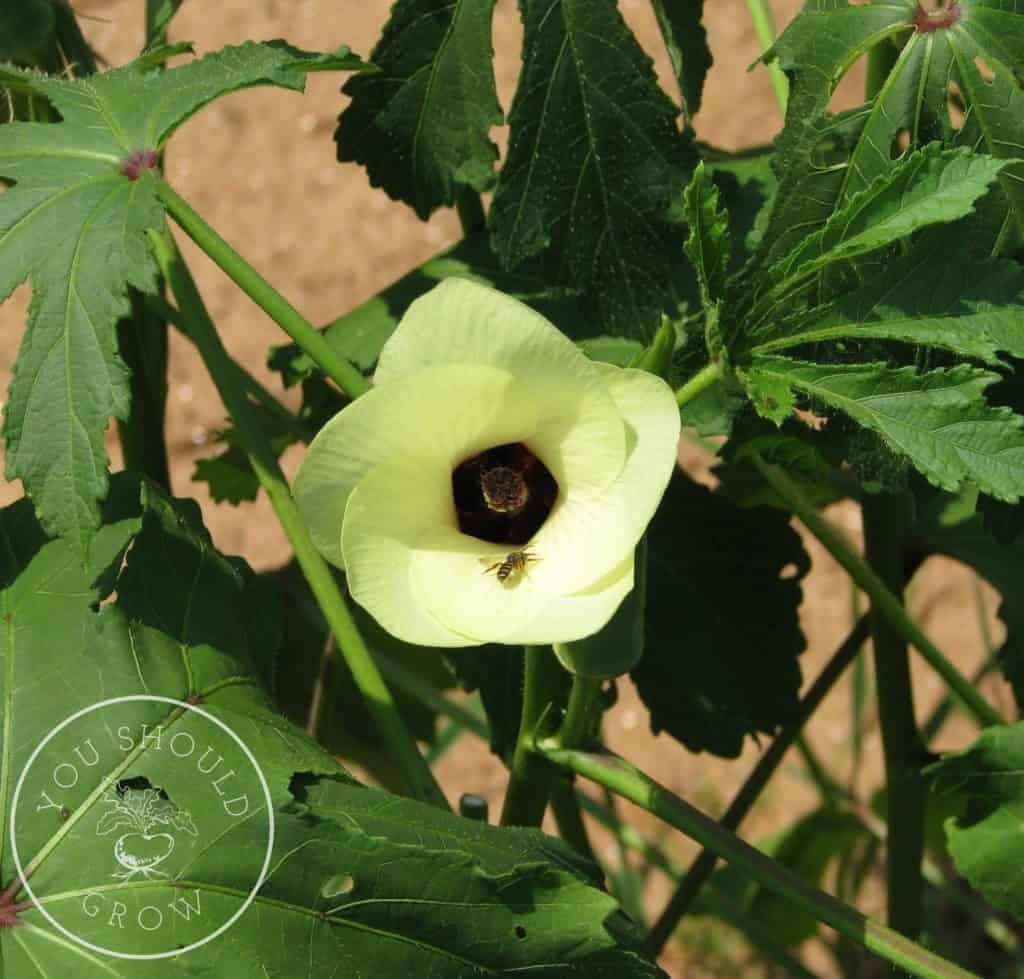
493	484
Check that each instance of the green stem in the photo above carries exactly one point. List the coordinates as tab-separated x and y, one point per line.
885	520
161	308
828	788
262	292
764	28
623	779
699	383
582	713
701	869
934	723
566	807
382	708
528	783
627	836
887	605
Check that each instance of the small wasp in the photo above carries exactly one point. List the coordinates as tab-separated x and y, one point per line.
513	563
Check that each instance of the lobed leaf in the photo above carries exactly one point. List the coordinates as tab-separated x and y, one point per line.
984	840
938	419
357	875
420	126
708	676
929	187
75	225
708	246
938	60
927	298
595	163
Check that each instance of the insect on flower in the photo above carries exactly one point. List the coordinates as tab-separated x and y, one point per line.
488	434
514	562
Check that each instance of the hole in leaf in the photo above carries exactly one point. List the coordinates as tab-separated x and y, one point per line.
520	932
337	885
957	105
984	70
900	143
849	90
139	783
788	572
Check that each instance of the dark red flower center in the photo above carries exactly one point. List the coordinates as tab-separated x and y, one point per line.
503	495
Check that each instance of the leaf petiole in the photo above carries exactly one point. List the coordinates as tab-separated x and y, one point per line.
378	698
699	383
882	598
618	775
282	312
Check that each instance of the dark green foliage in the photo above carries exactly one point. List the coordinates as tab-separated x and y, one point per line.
687	43
420	126
497	672
595	166
76	226
710	677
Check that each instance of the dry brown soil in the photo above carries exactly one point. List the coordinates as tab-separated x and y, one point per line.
260	167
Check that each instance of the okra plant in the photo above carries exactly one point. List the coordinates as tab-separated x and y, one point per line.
490	499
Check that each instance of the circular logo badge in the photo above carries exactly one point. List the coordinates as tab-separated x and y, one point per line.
136	821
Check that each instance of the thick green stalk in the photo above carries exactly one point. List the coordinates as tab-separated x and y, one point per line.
883	600
697	384
934	723
297	426
764	28
582	715
529	781
624	780
566	808
885	519
378	698
582	712
701	869
282	312
627	836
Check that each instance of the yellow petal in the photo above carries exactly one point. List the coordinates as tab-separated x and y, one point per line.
464	322
440	416
588	533
580	436
450	574
388	513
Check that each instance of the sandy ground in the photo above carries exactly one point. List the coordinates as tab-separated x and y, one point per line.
260	167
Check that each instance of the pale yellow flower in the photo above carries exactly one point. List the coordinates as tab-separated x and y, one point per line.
488	433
